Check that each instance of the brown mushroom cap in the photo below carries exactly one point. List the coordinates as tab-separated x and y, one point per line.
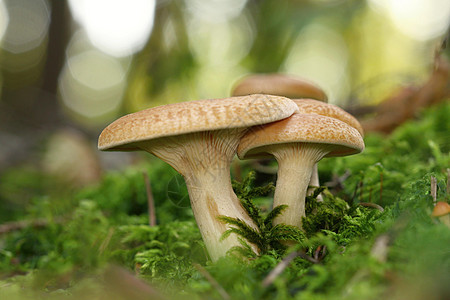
199	140
278	84
310	106
441	209
299	128
193	116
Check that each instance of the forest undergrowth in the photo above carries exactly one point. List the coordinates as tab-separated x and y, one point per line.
372	236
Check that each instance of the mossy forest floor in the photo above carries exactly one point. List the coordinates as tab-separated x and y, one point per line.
373	236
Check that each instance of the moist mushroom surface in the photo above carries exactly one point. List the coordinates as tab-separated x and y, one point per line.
199	139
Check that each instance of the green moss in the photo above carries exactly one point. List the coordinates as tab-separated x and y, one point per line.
355	251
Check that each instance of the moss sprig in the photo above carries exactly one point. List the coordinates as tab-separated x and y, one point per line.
267	237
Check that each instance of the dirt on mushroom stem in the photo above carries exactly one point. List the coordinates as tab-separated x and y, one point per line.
204	160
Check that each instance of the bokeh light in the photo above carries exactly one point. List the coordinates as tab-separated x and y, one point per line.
27	26
218	45
4	19
92	84
418	19
117	27
215	11
320	55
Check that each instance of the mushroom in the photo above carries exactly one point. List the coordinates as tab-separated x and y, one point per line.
310	106
199	139
299	90
442	212
298	143
278	84
286	86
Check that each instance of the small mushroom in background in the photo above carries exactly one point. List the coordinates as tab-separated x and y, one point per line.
302	92
199	139
442	212
298	143
280	85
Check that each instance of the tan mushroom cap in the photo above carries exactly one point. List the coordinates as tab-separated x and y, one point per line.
310	106
193	116
441	209
299	128
278	84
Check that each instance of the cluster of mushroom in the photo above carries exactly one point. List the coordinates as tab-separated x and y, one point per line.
199	139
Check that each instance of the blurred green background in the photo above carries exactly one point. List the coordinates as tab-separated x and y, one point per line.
68	68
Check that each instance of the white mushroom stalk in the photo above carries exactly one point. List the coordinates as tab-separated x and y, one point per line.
296	164
204	160
298	143
199	139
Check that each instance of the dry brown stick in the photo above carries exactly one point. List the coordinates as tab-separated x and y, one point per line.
279	268
282	265
305	256
150	201
18	225
106	241
320	252
381	187
361	189
213	282
433	189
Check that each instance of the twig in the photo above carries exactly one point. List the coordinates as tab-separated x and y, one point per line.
372	205
361	189
321	250
433	189
150	201
282	265
305	256
106	241
279	268
355	192
337	181
18	225
381	187
213	282
448	181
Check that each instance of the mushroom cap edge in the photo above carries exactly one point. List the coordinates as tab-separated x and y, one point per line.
193	116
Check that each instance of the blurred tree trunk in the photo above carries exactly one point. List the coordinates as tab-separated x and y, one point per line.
29	112
59	34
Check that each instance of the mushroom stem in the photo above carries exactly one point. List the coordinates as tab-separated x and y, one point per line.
314	181
212	196
204	160
296	163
